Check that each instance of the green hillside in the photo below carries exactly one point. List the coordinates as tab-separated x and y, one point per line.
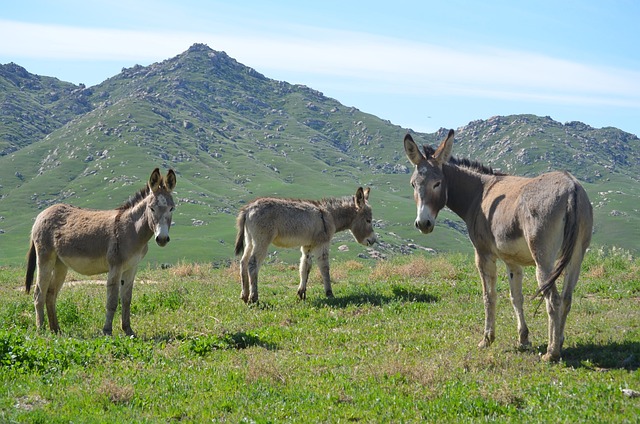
232	134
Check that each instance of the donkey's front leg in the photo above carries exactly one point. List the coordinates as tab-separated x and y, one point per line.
517	300
487	269
126	289
323	263
305	268
113	282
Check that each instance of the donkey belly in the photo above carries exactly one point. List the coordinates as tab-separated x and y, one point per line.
515	251
86	265
291	241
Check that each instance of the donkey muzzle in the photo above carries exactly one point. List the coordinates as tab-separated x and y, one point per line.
162	240
425	226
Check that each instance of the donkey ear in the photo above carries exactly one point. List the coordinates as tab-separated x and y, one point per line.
155	179
443	152
366	193
170	180
360	198
412	150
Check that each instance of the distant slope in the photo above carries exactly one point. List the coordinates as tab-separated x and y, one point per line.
233	134
32	106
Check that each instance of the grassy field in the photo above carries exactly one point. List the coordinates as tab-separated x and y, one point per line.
397	344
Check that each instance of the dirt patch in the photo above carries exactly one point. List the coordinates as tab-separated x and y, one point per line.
29	403
73	283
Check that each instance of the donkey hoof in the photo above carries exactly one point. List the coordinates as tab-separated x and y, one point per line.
302	294
329	293
245	298
107	332
548	357
524	346
485	342
253	298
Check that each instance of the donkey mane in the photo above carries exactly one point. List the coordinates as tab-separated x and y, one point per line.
333	201
135	199
466	163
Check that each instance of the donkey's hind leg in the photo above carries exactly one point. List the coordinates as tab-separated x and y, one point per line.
256	258
322	253
558	320
57	280
244	270
553	304
46	268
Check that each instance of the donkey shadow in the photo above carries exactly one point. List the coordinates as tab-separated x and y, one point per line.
625	355
376	299
211	342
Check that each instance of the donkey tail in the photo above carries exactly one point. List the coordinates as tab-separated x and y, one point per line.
240	236
569	241
31	267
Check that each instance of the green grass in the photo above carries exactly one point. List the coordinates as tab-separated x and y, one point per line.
397	343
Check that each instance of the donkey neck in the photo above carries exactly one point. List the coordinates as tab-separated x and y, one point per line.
465	188
136	216
342	211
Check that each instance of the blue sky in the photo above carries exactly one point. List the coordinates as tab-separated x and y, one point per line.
421	64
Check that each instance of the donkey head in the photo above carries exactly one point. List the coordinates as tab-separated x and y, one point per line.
362	225
160	205
428	181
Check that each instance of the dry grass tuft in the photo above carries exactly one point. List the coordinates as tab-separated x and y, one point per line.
232	272
416	267
117	394
263	366
597	271
340	271
187	269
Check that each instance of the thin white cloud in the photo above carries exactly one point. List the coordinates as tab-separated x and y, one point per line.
380	64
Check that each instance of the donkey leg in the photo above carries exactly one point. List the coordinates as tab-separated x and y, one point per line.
45	266
244	270
558	320
552	301
306	260
255	260
57	280
517	300
323	264
113	283
487	268
126	289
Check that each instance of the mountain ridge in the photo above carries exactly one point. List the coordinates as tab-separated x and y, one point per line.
233	134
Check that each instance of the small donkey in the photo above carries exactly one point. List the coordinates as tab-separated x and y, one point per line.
291	223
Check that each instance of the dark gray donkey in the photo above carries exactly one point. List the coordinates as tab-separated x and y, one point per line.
544	221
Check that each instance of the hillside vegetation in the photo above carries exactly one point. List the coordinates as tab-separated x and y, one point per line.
233	134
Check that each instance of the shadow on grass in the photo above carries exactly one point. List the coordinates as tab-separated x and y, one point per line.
376	299
607	356
205	343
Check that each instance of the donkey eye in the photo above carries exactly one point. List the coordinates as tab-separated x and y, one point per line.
413	185
152	209
172	208
436	185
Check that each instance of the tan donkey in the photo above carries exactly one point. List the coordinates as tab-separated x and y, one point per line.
94	242
544	221
292	223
